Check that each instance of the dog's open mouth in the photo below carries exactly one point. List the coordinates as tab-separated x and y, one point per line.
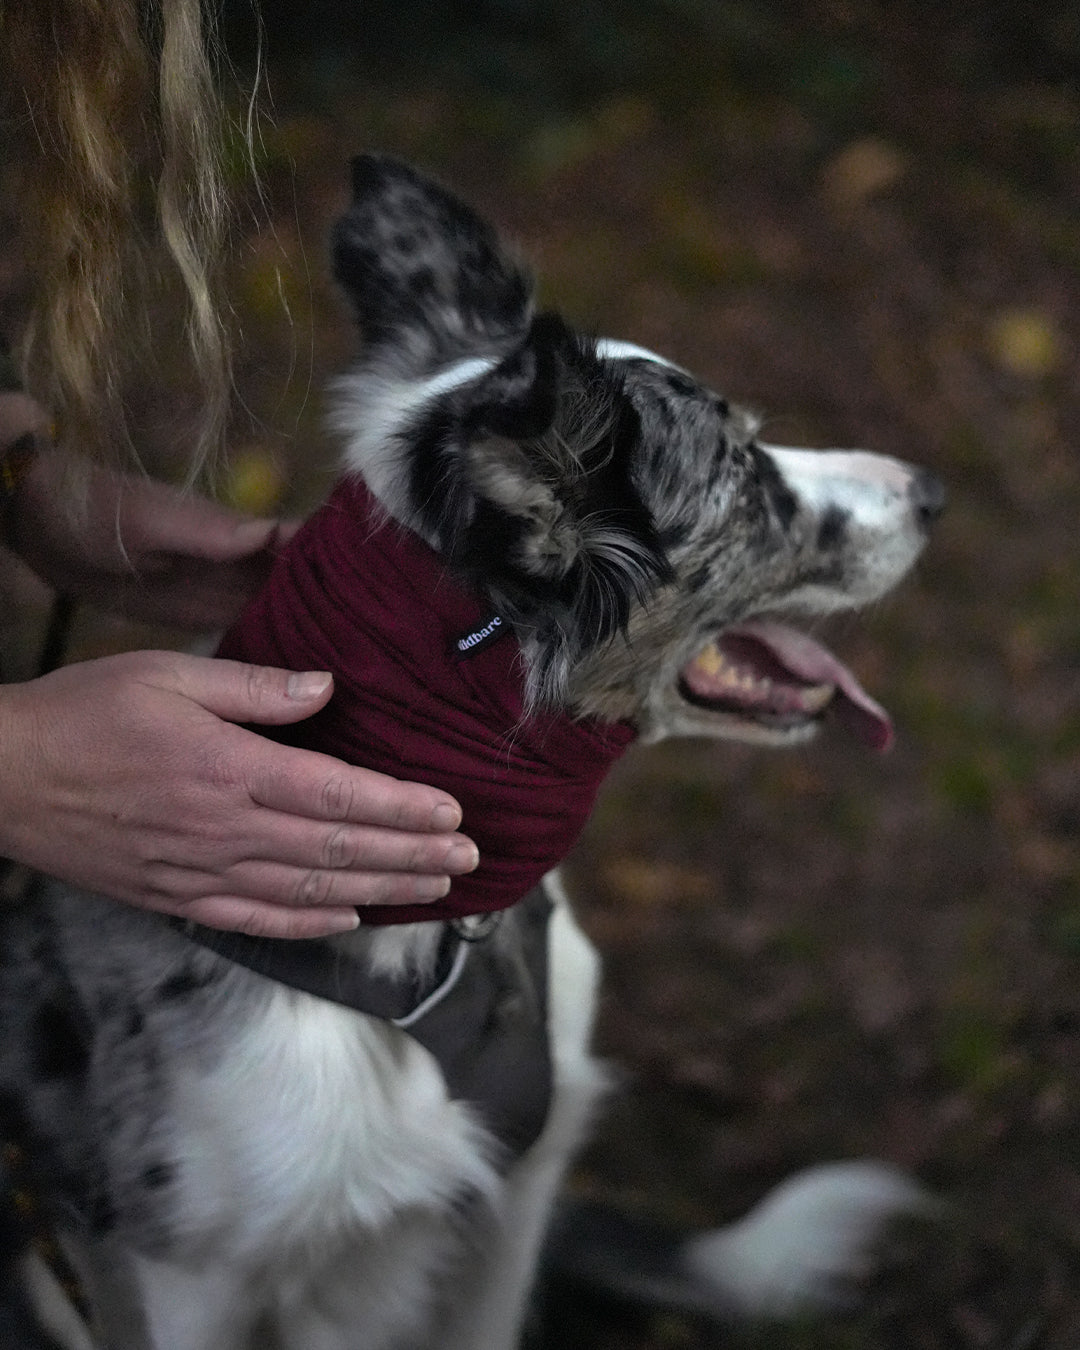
779	678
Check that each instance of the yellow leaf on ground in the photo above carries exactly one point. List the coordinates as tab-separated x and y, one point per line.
1026	342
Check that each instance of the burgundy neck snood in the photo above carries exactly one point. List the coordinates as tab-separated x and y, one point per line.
428	686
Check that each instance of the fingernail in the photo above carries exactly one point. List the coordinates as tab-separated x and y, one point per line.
446	816
342	923
432	888
462	857
258	529
307	684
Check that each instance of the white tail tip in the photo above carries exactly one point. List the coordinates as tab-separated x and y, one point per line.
808	1242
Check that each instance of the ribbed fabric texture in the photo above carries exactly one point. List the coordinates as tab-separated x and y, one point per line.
360	596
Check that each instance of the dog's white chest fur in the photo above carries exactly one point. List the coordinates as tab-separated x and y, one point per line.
326	1122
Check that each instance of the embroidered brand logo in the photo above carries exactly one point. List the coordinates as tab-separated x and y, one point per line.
478	638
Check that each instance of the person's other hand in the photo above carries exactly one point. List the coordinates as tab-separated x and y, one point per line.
128	776
141	548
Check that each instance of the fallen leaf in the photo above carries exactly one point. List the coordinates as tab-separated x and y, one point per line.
862	170
1026	342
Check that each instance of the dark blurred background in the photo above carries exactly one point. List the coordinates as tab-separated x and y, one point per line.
862	220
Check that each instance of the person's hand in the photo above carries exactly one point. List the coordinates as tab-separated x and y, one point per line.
126	775
141	548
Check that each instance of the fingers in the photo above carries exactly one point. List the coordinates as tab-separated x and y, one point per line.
299	782
238	692
342	847
285	531
303	864
236	914
282	886
156	517
273	900
318	787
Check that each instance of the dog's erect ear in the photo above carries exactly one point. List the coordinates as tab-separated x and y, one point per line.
429	279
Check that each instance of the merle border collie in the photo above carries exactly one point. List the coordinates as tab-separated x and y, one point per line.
541	546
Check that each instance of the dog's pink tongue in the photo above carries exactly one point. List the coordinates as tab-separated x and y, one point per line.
800	656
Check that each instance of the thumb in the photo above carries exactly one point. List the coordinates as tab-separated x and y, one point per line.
238	692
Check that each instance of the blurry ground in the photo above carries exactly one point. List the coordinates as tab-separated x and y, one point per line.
861	220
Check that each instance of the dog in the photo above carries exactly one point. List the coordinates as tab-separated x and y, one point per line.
328	1146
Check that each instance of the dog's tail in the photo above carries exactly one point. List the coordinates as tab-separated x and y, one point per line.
803	1249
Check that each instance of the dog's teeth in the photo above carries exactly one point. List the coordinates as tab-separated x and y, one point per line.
816	696
726	676
713	662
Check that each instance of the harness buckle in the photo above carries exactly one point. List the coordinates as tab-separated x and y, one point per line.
477	927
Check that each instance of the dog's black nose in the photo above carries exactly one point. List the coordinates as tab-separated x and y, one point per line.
927	497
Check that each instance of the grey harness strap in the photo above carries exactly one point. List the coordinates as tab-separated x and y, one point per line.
482	1013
